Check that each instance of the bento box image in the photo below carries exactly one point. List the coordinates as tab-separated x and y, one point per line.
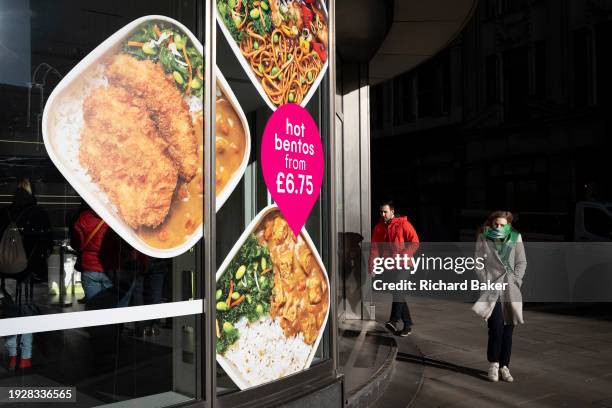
125	128
272	302
281	44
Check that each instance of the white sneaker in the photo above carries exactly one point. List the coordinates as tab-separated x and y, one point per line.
493	373
505	374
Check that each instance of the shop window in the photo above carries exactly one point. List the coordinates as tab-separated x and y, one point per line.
540	75
491	9
516	83
598	222
144	343
581	66
433	87
603	32
513	6
492	79
403	99
261	338
377	105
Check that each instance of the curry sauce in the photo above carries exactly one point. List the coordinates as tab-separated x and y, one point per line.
300	297
229	141
186	211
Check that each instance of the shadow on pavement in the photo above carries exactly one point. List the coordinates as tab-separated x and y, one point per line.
415	359
590	310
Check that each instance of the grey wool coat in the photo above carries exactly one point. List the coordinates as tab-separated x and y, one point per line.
494	271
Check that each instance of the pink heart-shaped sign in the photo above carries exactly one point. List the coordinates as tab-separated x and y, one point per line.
292	162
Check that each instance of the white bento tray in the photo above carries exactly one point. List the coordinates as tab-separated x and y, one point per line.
255	79
87	189
227	365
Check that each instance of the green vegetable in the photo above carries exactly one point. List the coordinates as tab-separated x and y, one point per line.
218	294
254	13
178	77
228	327
291	97
275	38
260	67
196	83
274	71
148	49
264	5
231	21
248	258
262	27
240	272
255	45
309	75
179	41
160	53
264	264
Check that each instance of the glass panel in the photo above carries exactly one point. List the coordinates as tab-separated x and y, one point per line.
244	335
111	363
70	157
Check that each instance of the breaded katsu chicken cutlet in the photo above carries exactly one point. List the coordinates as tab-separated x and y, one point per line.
165	103
123	154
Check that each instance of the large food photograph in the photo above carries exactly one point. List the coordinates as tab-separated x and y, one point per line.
125	127
272	302
282	45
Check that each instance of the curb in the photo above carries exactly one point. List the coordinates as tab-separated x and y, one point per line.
376	386
421	380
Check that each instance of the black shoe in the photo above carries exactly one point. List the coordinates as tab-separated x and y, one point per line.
391	326
405	333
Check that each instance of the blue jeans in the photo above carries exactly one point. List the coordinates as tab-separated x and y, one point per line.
94	282
10	342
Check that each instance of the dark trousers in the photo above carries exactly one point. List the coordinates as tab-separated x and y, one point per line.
499	346
400	311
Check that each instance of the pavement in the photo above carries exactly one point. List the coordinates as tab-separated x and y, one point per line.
562	357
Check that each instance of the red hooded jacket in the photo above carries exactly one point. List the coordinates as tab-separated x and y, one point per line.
400	232
102	251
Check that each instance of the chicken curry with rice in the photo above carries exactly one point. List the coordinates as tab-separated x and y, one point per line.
273	274
300	294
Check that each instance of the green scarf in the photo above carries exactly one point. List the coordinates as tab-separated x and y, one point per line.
504	239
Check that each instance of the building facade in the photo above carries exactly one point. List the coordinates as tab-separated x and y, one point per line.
513	114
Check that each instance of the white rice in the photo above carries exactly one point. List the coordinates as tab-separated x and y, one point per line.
263	353
68	122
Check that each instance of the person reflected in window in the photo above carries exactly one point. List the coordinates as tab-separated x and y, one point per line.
502	249
99	257
148	291
34	228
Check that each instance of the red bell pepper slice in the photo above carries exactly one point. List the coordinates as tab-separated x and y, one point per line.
306	16
320	50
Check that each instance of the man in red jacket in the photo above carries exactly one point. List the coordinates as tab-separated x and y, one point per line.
98	247
391	236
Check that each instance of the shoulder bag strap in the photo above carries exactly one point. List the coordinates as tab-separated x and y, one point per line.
92	234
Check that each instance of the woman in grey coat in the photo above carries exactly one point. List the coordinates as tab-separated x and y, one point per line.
501	247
